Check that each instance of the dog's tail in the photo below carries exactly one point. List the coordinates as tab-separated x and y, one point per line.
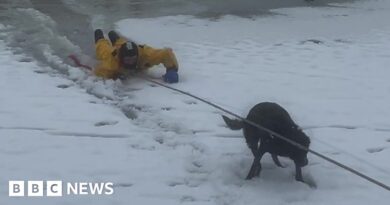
233	124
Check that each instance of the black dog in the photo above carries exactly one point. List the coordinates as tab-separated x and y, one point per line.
277	119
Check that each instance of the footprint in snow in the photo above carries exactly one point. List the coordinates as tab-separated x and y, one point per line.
375	150
343	41
388	140
40	71
176	183
105	123
189	182
160	140
201	131
167	108
63	86
190	102
129	113
197	168
315	41
134	107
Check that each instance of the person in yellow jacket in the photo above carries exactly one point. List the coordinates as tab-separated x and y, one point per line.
119	55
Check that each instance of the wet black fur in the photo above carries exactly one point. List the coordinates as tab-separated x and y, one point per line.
277	119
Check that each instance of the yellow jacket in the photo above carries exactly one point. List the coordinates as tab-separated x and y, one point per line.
109	67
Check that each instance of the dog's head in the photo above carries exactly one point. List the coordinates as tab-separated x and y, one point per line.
300	155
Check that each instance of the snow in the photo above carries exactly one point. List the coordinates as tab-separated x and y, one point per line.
327	66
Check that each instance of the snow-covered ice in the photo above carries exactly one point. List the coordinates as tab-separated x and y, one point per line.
328	67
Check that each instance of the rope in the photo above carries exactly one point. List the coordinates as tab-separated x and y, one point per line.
374	181
78	63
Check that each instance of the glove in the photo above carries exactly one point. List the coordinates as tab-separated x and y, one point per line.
171	76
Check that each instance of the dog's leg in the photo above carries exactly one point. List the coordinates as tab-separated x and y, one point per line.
261	152
256	165
254	168
298	173
276	160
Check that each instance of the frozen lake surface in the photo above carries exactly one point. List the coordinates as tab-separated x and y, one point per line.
327	65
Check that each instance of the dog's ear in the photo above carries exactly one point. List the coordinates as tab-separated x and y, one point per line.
233	124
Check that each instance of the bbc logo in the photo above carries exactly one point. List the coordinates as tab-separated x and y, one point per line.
58	188
34	188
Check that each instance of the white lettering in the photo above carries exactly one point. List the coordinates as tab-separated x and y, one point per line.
54	188
96	188
83	188
72	189
109	188
35	188
16	188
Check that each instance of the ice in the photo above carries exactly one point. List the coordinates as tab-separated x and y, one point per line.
327	66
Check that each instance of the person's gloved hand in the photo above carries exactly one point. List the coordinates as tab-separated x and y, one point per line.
171	76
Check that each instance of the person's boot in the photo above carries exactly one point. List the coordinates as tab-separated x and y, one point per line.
113	36
98	35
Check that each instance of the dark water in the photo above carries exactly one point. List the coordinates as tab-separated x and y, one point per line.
205	8
47	28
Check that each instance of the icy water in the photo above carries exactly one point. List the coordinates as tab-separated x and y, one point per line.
205	8
54	27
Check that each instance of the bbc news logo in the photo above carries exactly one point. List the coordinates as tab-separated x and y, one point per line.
58	188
